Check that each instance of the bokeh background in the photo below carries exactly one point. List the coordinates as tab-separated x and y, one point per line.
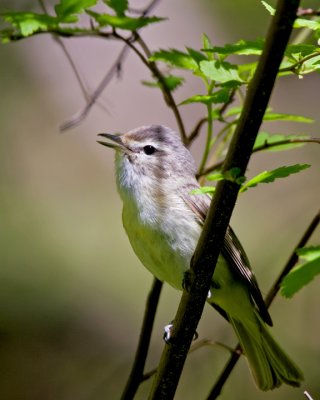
72	292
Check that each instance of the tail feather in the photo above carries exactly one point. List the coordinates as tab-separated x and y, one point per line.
269	364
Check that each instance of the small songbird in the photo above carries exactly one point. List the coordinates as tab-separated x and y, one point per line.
163	219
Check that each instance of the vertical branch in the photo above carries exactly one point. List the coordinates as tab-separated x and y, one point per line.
136	374
211	239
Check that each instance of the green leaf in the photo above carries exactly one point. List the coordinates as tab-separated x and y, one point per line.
220	96
69	7
242	47
233	111
220	71
172	82
28	23
196	55
126	23
300	49
246	71
204	190
272	141
119	6
271	116
232	175
270	176
303	273
270	9
206	43
216	176
176	59
311	65
307	23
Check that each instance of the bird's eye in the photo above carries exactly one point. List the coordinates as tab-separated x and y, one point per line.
149	150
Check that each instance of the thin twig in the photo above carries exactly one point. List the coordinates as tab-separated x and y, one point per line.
198	345
196	130
307	395
167	94
155	71
136	375
265	146
293	259
295	67
217	388
309	12
79	117
59	41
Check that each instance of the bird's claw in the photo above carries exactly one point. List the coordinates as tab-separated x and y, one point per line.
167	333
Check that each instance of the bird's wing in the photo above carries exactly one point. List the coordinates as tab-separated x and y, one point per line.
232	249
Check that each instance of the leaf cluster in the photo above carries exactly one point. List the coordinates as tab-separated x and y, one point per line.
222	79
224	83
67	13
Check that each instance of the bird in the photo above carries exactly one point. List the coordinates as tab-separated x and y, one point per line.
163	217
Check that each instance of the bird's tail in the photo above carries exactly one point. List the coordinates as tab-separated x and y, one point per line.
269	364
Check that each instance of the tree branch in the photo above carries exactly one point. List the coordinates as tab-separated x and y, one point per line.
217	388
211	239
267	145
295	67
168	97
79	117
293	259
136	375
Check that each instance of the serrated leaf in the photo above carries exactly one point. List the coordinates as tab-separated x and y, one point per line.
69	7
28	23
269	8
304	272
175	58
246	71
242	47
220	71
307	23
278	142
6	34
119	6
301	49
270	176
232	175
271	116
206	43
204	190
196	55
126	23
172	82
311	65
220	96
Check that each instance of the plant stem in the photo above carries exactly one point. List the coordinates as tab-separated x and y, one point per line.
209	131
136	374
264	146
294	67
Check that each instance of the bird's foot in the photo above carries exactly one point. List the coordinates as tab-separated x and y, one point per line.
167	333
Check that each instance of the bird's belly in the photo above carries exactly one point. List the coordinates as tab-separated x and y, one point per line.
166	255
166	252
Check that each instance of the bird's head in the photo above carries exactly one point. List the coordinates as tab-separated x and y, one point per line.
152	152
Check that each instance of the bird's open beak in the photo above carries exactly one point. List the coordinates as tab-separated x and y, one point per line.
116	142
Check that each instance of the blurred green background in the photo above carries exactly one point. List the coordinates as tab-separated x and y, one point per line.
72	292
